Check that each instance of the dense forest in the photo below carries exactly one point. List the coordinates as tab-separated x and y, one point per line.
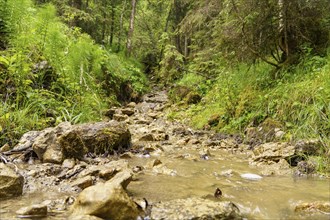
227	64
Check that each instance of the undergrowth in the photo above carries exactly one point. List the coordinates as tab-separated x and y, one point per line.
50	73
298	98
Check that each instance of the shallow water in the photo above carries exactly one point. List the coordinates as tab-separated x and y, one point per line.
271	197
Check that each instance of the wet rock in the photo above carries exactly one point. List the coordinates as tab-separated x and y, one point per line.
128	111
83	182
194	208
314	207
47	143
109	170
107	174
11	183
26	140
123	178
205	153
68	163
162	169
85	217
154	115
147	137
142	122
106	200
39	210
182	142
126	155
194	141
109	113
273	152
229	144
53	154
308	147
31	173
306	167
251	176
120	117
227	173
137	169
154	163
282	167
131	105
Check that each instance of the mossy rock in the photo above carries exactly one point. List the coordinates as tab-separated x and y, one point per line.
193	98
179	93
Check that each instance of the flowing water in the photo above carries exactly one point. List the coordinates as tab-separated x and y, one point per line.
272	197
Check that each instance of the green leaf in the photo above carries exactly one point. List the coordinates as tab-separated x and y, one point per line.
4	61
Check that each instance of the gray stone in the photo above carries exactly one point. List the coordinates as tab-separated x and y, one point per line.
194	208
26	140
38	210
11	183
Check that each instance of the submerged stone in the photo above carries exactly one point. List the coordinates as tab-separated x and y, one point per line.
194	208
251	176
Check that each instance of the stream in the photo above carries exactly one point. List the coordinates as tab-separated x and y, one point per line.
184	171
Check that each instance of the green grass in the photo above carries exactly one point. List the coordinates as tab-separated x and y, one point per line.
298	98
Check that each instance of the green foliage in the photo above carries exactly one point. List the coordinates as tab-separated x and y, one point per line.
245	95
52	73
172	65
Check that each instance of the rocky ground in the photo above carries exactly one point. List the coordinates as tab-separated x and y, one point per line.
88	167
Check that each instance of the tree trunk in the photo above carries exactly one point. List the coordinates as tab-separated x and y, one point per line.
121	26
112	24
131	29
283	31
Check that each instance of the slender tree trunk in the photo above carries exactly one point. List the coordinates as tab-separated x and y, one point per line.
186	51
283	32
121	26
112	24
131	29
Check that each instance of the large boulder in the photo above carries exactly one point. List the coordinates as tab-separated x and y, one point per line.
11	183
53	145
194	208
107	200
97	138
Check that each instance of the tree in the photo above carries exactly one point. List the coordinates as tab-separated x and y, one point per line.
131	29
